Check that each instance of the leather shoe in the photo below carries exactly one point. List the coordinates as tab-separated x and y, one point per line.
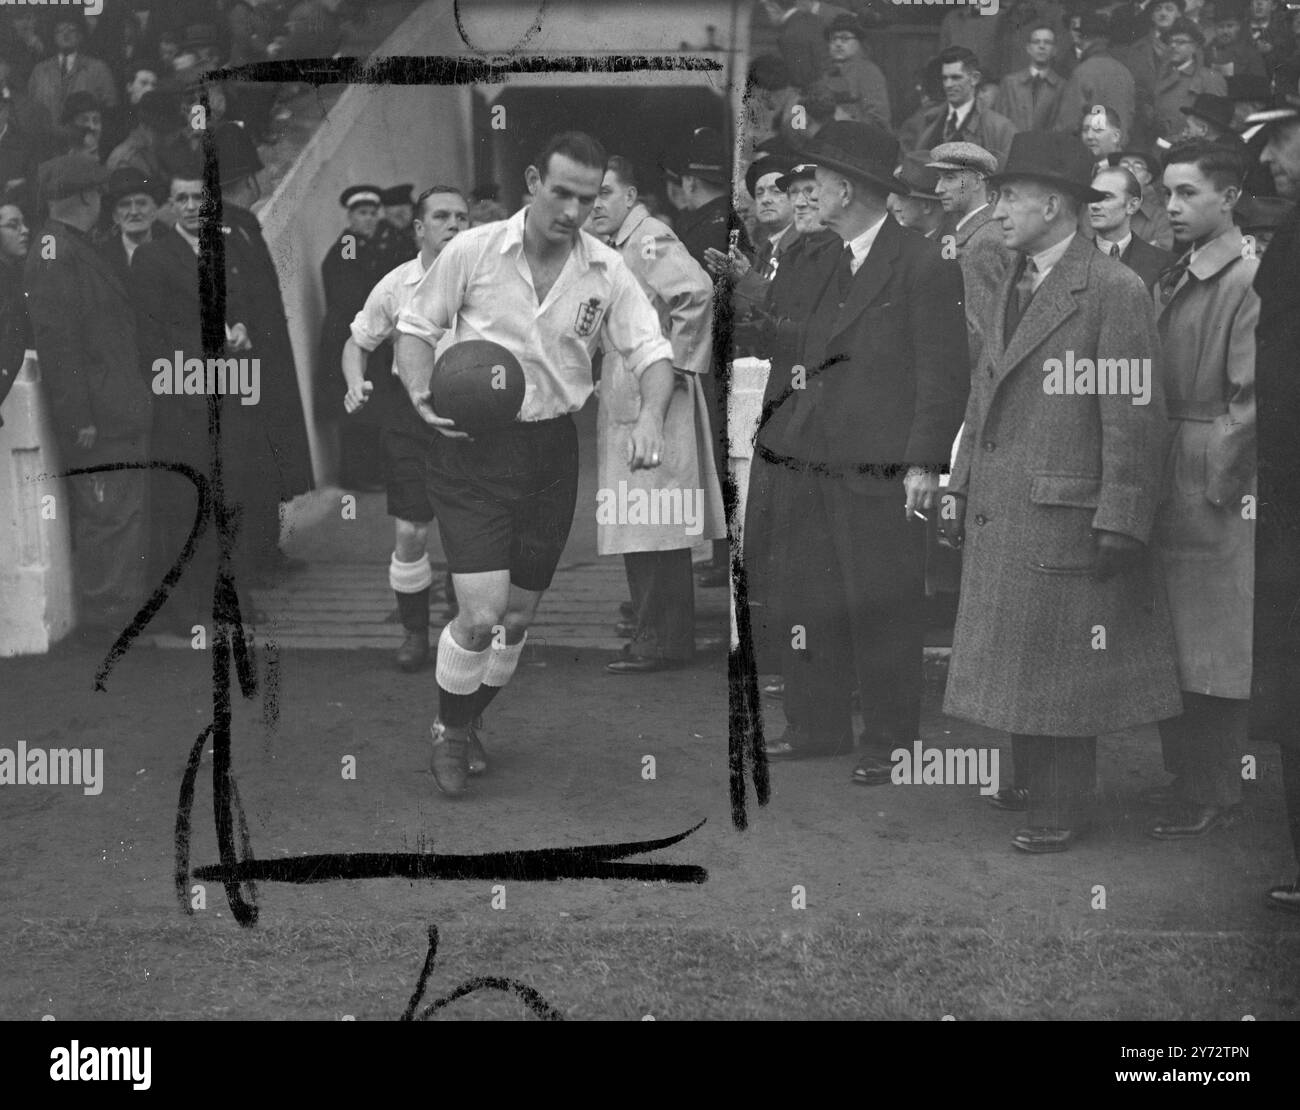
414	652
872	771
1193	821
1014	798
796	744
1286	897
641	664
449	763
1040	839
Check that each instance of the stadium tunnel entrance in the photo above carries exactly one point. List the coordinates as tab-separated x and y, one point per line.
639	122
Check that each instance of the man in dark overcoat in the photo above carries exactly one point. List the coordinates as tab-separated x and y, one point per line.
1061	632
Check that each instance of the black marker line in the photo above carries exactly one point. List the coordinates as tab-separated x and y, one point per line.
590	861
271	686
534	1001
450	69
183	809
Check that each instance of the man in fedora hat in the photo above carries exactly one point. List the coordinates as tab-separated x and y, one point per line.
882	376
132	200
916	200
964	170
1210	117
1111	219
1060	631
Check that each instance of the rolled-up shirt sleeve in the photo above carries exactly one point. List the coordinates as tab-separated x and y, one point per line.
632	325
438	297
376	320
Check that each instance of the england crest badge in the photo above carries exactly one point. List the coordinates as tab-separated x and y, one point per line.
588	318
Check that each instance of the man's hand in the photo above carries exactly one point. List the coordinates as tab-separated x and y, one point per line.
357	395
86	437
921	487
733	262
952	520
423	403
1116	554
645	447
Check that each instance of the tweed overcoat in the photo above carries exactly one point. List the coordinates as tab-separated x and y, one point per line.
1205	531
984	260
1040	472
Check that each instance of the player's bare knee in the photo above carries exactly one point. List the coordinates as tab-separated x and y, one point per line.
516	624
479	623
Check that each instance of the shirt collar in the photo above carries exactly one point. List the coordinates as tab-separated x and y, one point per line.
1216	254
970	215
962	113
636	215
861	244
1045	260
1121	243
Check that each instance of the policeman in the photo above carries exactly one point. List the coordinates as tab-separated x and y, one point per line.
395	236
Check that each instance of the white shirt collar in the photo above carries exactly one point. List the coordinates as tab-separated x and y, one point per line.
974	212
962	113
1121	243
1044	261
861	244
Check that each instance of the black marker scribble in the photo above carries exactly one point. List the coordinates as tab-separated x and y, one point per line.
453	70
526	994
588	861
271	686
533	29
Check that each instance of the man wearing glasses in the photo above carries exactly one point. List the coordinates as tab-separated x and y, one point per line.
1184	78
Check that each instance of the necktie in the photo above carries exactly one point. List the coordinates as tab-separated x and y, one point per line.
1019	300
950	126
846	270
1170	278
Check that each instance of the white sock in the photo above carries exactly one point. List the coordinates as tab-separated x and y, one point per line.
502	663
410	578
459	670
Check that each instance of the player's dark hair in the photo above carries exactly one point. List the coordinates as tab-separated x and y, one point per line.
577	146
1222	164
623	170
953	54
430	191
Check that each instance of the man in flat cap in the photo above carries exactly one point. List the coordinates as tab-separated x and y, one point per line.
916	201
863	432
1061	631
97	389
964	170
349	271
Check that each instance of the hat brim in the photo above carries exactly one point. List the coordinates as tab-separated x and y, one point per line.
903	189
1086	194
880	179
808	174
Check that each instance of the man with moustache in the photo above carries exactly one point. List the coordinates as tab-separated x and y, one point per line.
1111	219
864	442
1052	497
1204	532
133	200
657	556
367	369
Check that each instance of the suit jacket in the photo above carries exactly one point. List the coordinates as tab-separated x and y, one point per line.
887	365
984	261
49	87
1016	99
1041	471
1147	261
991	130
860	90
85	337
1099	78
